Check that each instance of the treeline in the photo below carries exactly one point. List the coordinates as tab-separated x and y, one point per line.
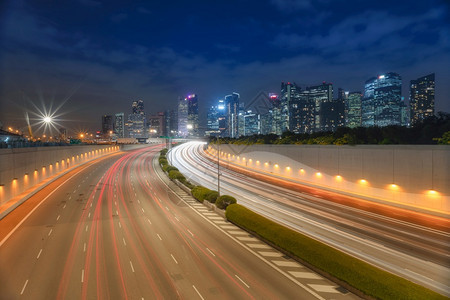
434	130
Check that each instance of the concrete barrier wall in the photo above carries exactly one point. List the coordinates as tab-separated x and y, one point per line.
22	168
415	176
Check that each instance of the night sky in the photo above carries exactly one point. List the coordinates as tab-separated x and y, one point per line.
87	58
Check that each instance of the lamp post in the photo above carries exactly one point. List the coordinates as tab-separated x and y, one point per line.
218	166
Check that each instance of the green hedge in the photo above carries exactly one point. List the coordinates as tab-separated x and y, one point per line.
176	175
163	151
223	201
169	168
187	183
363	276
200	192
212	196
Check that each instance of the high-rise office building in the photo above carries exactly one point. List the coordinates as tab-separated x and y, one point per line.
182	117
288	99
212	119
353	110
119	125
193	122
319	95
367	103
275	118
381	105
107	124
136	121
232	110
171	122
156	125
252	124
421	98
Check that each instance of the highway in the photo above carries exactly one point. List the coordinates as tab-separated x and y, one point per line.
113	229
412	245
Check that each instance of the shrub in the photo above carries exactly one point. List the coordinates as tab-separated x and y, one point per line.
187	183
199	192
223	201
163	151
163	161
212	196
176	175
169	168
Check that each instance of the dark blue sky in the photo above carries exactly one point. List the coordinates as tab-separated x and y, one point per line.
102	55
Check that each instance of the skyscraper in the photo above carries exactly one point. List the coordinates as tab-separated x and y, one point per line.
107	124
421	98
192	118
137	121
288	97
319	95
232	110
182	116
171	122
367	103
156	125
353	109
381	105
252	124
212	120
119	125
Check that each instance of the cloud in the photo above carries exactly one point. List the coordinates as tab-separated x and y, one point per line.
90	2
289	6
228	48
143	10
117	18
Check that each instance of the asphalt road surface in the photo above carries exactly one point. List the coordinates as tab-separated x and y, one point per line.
113	229
412	245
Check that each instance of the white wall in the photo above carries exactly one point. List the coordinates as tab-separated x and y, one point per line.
416	176
23	168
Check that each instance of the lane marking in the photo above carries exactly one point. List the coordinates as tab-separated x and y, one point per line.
242	281
64	206
211	252
115	203
177	219
159	237
39	204
87	227
89	215
123	239
174	259
84	247
143	210
167	208
82	275
50	232
190	232
24	286
201	297
120	225
117	213
58	217
149	221
132	268
139	201
91	204
39	254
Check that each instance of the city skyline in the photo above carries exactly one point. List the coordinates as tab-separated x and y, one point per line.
86	69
